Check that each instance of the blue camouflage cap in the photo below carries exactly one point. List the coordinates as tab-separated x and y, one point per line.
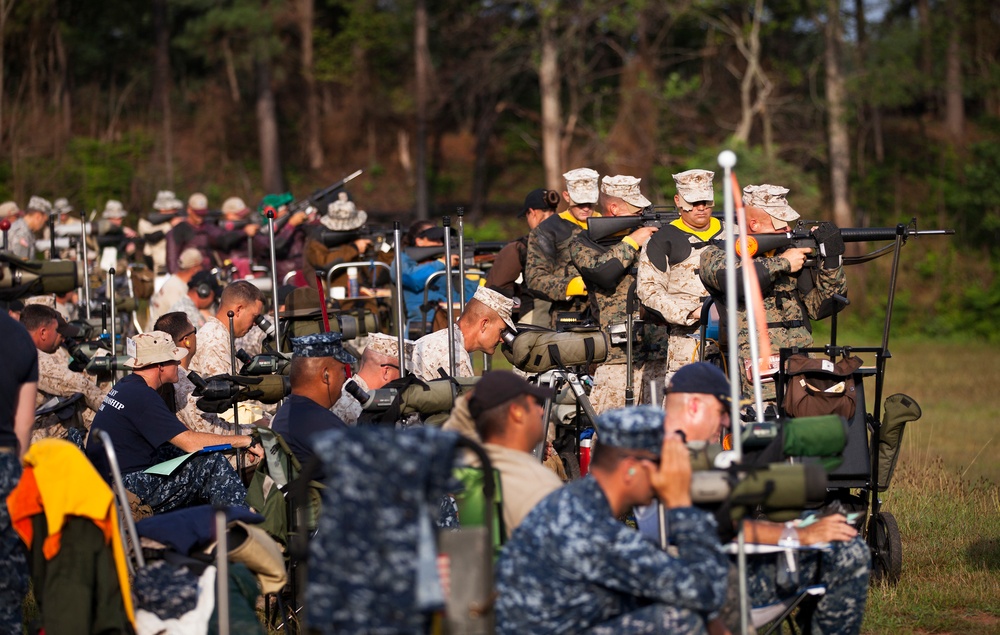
321	345
634	428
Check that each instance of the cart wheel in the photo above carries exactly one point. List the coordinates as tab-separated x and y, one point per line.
887	548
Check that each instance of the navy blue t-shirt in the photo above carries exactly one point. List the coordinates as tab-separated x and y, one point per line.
20	367
138	422
298	419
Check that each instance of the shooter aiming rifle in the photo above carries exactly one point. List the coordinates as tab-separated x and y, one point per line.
475	253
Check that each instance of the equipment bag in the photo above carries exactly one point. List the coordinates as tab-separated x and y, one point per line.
820	387
532	349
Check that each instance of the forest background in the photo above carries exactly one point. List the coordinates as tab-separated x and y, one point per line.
871	111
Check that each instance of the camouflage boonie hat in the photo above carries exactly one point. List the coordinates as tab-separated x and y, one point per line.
166	200
771	199
154	347
581	184
694	186
634	428
389	346
62	206
343	215
625	188
113	209
8	209
322	345
39	204
499	303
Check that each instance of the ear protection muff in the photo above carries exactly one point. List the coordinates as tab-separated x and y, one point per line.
204	290
551	198
631	471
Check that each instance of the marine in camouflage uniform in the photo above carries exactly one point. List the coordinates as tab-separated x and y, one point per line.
607	268
22	234
479	328
668	284
214	353
57	380
549	271
791	298
572	567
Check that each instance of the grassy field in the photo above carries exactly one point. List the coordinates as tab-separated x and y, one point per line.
945	494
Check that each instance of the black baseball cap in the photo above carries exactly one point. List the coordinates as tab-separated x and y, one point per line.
500	386
432	233
206	277
534	200
703	378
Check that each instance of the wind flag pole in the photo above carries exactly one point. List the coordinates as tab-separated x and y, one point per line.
727	159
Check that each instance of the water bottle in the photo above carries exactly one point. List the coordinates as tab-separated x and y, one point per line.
788	570
586	441
353	290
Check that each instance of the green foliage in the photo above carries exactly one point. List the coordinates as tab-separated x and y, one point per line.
752	167
97	170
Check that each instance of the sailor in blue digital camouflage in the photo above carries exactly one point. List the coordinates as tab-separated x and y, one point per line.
572	567
608	268
372	561
668	284
842	566
145	432
698	398
793	294
14	581
549	271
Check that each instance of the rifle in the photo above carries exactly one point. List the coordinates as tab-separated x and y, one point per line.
474	252
315	197
653	216
157	218
802	237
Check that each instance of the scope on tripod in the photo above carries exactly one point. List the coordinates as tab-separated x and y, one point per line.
22	279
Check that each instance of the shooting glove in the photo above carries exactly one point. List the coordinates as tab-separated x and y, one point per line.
217	406
576	287
831	244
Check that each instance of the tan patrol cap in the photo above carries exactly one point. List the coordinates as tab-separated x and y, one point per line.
581	184
498	302
694	186
625	188
771	199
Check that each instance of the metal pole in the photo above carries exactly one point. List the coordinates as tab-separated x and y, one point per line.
86	273
236	405
274	281
222	572
461	255
114	319
448	289
727	159
397	262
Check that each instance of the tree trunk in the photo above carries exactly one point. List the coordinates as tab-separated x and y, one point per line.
161	84
548	86
267	128
5	9
485	123
839	143
63	102
422	56
314	149
926	39
954	104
